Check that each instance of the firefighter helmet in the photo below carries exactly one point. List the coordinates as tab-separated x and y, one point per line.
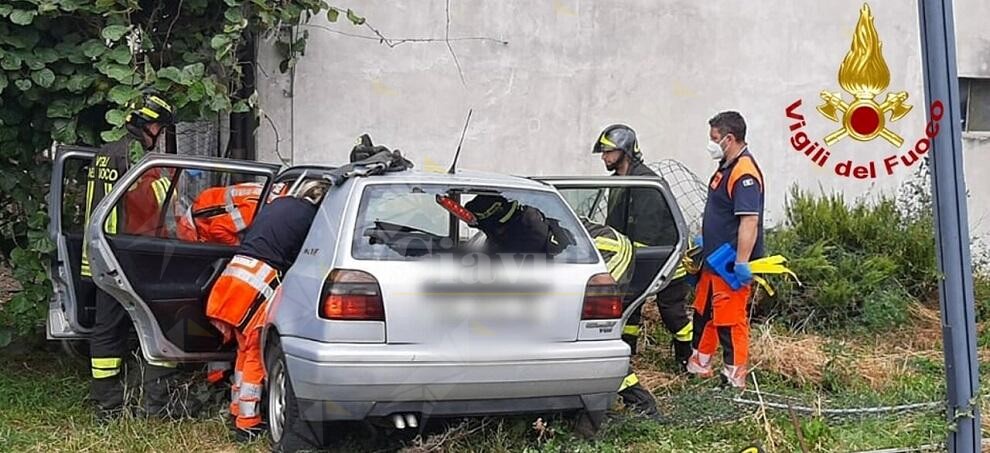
492	210
618	136
155	110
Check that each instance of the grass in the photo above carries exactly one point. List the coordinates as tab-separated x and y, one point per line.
44	408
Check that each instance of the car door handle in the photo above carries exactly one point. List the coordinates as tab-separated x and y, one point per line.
207	279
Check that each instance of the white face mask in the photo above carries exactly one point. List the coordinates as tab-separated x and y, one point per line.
715	149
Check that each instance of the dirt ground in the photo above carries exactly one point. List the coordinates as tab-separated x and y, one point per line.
8	286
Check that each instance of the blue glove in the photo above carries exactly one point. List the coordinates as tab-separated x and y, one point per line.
743	273
696	241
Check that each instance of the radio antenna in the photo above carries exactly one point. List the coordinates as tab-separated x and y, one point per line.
453	165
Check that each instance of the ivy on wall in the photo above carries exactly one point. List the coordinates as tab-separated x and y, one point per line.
70	69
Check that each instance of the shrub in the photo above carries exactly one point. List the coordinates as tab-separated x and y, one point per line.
861	264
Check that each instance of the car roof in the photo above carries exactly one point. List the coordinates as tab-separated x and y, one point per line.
460	177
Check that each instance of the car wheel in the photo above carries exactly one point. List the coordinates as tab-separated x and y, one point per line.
287	430
77	350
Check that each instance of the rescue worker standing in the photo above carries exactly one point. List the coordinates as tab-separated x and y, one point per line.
734	215
108	342
238	302
636	213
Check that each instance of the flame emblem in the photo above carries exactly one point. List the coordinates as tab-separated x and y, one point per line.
864	75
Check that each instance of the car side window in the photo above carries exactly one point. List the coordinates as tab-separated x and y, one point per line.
642	213
194	205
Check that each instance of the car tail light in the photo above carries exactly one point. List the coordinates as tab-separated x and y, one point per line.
351	296
601	298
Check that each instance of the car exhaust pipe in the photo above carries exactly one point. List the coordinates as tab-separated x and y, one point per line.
411	421
398	421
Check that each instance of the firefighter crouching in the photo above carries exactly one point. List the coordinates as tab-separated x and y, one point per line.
238	302
138	214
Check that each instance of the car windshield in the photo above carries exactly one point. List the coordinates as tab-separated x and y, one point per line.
409	221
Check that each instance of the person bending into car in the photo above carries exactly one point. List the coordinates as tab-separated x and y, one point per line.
514	228
238	303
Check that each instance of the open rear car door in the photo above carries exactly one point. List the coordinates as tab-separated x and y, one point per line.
140	253
642	208
71	309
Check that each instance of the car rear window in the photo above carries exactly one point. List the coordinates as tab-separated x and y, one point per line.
400	222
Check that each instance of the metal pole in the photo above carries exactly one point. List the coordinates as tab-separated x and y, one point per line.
938	46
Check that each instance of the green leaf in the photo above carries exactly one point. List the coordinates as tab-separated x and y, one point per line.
233	15
93	48
23	84
123	94
219	41
5	10
11	61
121	54
113	33
3	82
115	117
22	17
6	336
120	73
33	63
79	82
196	91
192	73
44	78
113	135
333	14
46	55
62	108
241	107
64	130
171	73
354	18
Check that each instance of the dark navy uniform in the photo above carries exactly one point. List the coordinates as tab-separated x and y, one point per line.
736	189
278	232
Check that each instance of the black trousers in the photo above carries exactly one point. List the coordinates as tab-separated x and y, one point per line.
110	328
672	305
109	340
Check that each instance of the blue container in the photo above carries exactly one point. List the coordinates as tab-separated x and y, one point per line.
723	262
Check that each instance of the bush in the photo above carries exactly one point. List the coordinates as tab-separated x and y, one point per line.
861	264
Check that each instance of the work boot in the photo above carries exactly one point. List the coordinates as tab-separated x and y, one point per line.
640	401
735	376
108	396
700	365
244	436
682	353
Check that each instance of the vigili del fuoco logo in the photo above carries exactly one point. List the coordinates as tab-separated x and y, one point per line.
864	76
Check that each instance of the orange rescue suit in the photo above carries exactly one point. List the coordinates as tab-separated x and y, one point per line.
220	214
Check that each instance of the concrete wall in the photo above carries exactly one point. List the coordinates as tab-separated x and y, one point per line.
572	67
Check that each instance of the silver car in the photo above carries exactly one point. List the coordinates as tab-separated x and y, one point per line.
395	309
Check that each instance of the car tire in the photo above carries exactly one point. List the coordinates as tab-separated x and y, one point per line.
287	430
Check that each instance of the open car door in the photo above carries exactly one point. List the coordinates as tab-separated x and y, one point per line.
71	309
643	209
141	251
